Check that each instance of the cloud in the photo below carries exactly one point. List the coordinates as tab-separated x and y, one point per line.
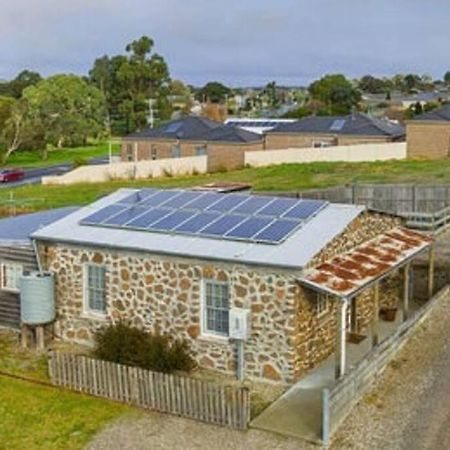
238	42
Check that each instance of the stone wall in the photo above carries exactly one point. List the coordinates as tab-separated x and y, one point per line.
162	294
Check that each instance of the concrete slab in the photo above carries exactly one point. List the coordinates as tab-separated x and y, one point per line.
298	412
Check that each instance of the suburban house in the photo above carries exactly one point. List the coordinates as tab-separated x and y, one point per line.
17	257
192	136
325	131
292	276
428	135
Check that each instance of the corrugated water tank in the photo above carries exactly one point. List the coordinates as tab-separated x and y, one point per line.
37	298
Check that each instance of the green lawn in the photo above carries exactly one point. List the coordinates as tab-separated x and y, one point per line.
60	156
286	177
35	417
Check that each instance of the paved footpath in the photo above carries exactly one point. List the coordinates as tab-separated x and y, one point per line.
409	409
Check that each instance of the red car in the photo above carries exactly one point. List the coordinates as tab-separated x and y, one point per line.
8	175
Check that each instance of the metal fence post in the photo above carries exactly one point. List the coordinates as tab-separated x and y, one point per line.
326	416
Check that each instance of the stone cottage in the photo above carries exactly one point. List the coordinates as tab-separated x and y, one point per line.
183	262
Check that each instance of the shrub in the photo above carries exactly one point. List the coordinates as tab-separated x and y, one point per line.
123	344
80	161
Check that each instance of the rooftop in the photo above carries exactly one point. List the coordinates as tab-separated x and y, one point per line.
347	274
17	230
440	114
91	226
194	128
353	124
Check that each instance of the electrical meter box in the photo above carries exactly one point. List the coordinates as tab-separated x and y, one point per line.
239	324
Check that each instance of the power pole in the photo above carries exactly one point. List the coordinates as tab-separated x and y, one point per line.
151	116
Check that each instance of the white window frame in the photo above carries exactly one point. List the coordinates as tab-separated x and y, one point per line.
86	291
322	305
3	278
203	310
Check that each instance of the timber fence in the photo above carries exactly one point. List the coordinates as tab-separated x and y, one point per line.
338	401
173	394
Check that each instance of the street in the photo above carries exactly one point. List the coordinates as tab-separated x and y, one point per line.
34	175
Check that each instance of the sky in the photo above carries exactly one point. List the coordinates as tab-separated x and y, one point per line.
238	42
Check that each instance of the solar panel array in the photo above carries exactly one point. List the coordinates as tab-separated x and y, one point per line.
228	216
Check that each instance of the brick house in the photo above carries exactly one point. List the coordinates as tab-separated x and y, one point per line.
322	131
428	135
182	262
193	136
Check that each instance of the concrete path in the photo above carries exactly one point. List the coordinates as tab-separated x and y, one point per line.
298	413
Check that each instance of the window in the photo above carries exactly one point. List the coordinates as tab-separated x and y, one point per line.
322	304
200	151
95	292
153	152
176	151
216	308
129	152
10	276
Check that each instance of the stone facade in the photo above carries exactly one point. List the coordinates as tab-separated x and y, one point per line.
274	141
427	139
164	294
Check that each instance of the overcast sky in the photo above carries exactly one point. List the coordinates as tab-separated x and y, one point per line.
241	42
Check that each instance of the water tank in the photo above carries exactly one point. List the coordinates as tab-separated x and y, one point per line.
37	298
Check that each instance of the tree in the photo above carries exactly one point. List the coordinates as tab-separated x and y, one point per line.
68	108
15	87
129	81
373	85
337	94
213	92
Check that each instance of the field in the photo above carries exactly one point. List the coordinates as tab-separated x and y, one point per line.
60	156
286	177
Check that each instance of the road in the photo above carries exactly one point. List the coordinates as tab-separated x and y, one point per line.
34	175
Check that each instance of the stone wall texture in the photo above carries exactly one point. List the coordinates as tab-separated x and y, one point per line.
164	294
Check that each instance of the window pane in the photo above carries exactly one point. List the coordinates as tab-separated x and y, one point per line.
217	309
96	288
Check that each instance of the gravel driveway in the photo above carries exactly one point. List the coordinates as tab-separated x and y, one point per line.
408	409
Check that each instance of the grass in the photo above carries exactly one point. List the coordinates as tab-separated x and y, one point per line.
286	177
36	417
59	156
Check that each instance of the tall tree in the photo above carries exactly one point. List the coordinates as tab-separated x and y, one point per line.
15	87
130	81
69	109
336	92
213	92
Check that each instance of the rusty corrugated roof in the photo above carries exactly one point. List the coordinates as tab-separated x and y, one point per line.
346	274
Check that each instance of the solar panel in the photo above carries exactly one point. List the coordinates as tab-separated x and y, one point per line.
173	127
181	200
249	227
160	198
252	205
304	209
277	231
221	226
103	214
278	207
337	125
150	217
172	220
204	201
125	216
137	196
228	202
199	221
227	216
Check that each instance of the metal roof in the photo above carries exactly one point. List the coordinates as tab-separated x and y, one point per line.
17	230
347	274
295	252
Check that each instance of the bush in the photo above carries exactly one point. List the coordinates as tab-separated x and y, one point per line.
123	344
80	161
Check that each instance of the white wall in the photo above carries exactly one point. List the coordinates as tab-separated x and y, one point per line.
349	153
131	170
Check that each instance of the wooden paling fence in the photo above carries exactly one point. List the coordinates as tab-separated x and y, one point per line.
182	396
